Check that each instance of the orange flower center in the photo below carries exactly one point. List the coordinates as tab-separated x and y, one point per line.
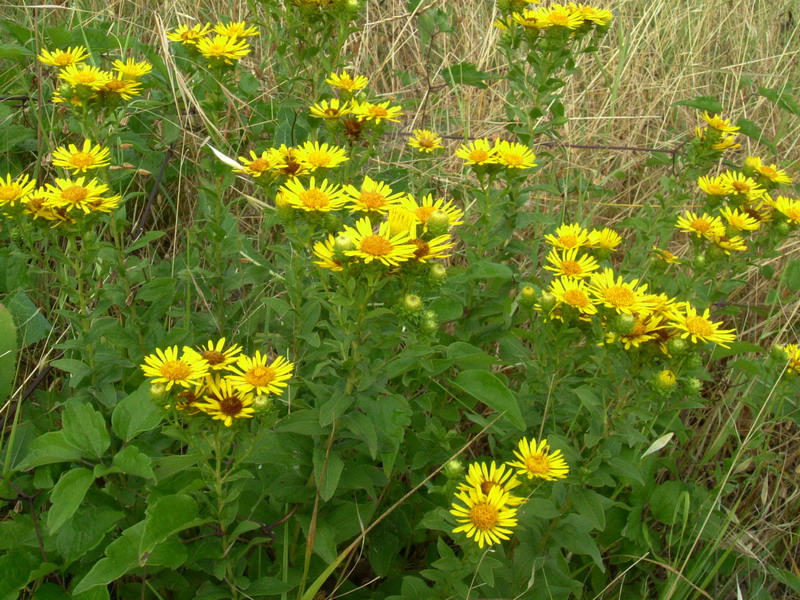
425	142
259	164
486	486
537	464
576	298
484	516
259	376
82	159
513	159
478	155
571	268
319	159
213	357
741	186
559	18
9	192
619	295
85	78
375	245
230	406
62	60
769	172
372	200
176	370
116	85
75	193
568	241
314	198
216	49
422	248
701	225
378	111
423	213
699	326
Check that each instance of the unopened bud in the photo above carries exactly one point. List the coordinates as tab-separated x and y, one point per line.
700	260
665	381
430	321
777	353
623	324
694	385
331	222
547	302
412	303
694	361
343	243
677	346
527	296
438	272
453	469
262	404
438	223
783	227
158	393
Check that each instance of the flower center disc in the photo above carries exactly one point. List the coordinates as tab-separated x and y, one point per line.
8	192
568	241
259	164
571	267
576	298
483	516
378	111
230	406
513	160
319	159
422	248
175	370
259	376
64	59
619	296
537	464
478	155
699	326
85	78
75	194
372	199
214	357
314	198
82	159
376	245
423	213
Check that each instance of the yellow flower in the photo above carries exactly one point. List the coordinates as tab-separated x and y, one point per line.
572	292
345	82
536	460
391	250
645	328
330	109
104	205
124	88
189	35
130	69
667	256
717	122
366	111
79	161
425	140
713	186
292	166
483	477
431	249
739	185
770	172
428	206
792	352
730	244
477	152
257	165
726	142
703	226
12	191
625	298
218	356
223	48
514	155
738	220
37	206
401	220
314	198
165	367
486	518
75	194
224	402
600	16
788	207
563	16
567	264
325	252
374	197
235	29
568	236
253	374
531	19
87	76
604	239
63	58
700	328
316	155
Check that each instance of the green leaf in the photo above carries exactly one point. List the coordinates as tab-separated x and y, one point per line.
85	428
135	414
67	496
791	275
269	586
32	326
487	388
121	556
572	534
166	516
465	73
15	52
488	270
85	531
736	348
131	461
13	135
782	97
331	476
622	468
15	570
334	408
49	448
591	506
707	103
8	353
77	370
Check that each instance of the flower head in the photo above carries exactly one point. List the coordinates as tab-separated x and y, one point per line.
77	194
718	123
702	226
477	152
788	207
625	298
484	477
254	374
792	352
189	35
63	58
130	69
713	186
324	197
85	76
486	518
535	459
344	81
222	48
258	164
699	327
437	247
165	366
738	220
382	246
425	140
564	16
568	236
367	111
15	190
292	167
604	239
235	29
428	205
316	156
373	197
218	355
330	109
79	161
326	253
769	172
225	402
574	293
567	263
125	89
514	155
741	186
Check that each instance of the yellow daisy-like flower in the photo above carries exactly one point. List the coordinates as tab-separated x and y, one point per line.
535	459
567	263
330	109
604	239
345	82
124	88
792	352
700	328
568	236
563	16
223	48
218	355
425	140
427	206
769	172
483	477
730	244
374	197
324	197
37	206
86	76
599	16
325	252
738	220
235	29
130	69
166	367
104	205
788	207
391	250
486	518
15	190
253	374
531	19
644	329
717	122
664	306
625	298
713	186
224	402
432	249
665	255
703	226
741	186
514	155
63	58
79	161
726	141
574	293
189	35
257	165
316	156
188	399
367	111
401	220
292	166
477	152
75	194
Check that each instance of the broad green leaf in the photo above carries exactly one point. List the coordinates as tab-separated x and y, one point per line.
465	73
15	570
67	496
334	408
791	275
591	506
330	478
31	325
135	414
121	556
49	448
85	428
131	461
77	369
735	348
166	516
8	353
487	388
572	534
85	531
707	103
269	586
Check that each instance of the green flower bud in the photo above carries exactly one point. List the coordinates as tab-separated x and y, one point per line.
700	260
664	381
331	222
694	385
527	296
623	324
157	393
438	273
430	321
262	404
783	227
343	243
694	361
438	223
547	302
778	353
412	303
454	469
677	346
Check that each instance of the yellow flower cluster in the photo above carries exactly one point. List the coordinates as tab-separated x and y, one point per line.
488	504
221	44
85	84
511	155
630	314
570	16
717	133
792	352
291	162
217	379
